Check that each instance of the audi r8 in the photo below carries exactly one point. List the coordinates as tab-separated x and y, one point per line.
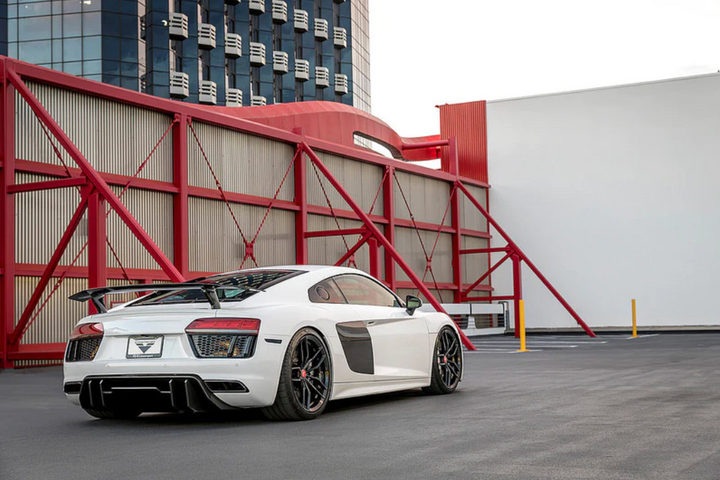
284	339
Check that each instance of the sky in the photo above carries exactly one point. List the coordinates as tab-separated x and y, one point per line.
430	52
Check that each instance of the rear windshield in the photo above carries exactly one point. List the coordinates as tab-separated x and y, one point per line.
245	282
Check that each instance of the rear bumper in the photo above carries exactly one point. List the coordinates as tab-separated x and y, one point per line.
153	393
259	374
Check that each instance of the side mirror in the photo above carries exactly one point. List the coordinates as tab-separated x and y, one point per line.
412	303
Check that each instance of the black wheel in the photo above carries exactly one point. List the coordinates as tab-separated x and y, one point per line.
305	379
446	364
113	414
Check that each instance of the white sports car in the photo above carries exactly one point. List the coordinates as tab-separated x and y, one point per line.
287	339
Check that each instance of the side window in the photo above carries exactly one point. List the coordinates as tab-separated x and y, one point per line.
359	290
325	292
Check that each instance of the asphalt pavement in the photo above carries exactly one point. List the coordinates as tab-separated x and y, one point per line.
611	408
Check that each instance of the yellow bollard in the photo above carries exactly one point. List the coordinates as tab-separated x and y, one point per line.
634	320
522	327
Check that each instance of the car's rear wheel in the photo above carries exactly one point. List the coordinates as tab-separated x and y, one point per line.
305	379
113	414
446	363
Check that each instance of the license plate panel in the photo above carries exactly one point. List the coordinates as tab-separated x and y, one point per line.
145	346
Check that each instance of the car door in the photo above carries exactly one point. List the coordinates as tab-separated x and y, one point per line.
400	341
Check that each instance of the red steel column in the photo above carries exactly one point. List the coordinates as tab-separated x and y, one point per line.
181	229
517	290
389	212
7	213
374	249
455	213
97	240
301	216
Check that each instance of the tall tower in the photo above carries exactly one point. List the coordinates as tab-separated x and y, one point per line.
223	52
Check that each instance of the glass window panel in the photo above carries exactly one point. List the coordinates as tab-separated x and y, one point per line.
57	26
91	23
34	9
160	59
57	51
13	50
35	52
12	11
111	48
111	79
129	7
128	50
12	30
111	24
74	68
128	26
92	48
111	68
72	50
129	83
72	6
97	78
57	8
57	66
34	29
91	5
129	69
71	25
92	68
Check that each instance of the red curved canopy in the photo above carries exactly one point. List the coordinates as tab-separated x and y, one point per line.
337	123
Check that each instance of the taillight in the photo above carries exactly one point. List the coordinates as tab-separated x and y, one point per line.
87	330
245	326
223	337
84	342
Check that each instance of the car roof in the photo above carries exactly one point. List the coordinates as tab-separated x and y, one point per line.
302	268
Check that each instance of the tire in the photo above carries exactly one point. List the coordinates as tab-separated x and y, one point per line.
113	414
305	379
446	363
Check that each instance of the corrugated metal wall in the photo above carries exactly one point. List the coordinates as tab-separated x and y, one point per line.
408	245
59	316
473	266
40	221
243	163
216	245
114	137
154	211
428	198
467	122
361	180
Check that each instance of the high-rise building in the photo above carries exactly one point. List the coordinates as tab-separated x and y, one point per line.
223	52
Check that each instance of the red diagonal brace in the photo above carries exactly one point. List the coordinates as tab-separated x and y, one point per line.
524	258
96	180
373	229
50	268
484	276
351	251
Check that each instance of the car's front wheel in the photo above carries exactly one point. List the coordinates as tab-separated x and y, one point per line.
446	363
305	379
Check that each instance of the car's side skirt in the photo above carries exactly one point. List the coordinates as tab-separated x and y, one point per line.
358	389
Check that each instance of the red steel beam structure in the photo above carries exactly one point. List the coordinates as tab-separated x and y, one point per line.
518	256
379	228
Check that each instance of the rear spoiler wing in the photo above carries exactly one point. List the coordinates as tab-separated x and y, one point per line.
97	295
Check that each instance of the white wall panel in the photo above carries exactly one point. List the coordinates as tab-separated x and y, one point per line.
613	194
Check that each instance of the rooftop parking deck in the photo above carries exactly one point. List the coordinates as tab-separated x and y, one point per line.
605	408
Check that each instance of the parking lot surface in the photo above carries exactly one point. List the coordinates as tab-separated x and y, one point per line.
611	408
